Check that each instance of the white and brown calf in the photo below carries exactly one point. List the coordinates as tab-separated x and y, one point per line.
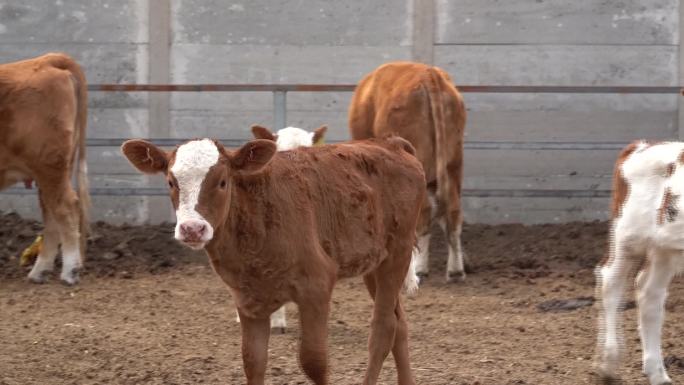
284	226
647	231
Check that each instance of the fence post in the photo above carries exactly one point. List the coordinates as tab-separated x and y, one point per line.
279	110
680	73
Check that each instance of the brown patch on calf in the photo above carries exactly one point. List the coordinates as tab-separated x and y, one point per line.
670	169
620	186
668	208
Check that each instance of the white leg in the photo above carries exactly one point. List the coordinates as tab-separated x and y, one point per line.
412	280
71	257
278	320
420	255
611	282
455	268
46	258
651	295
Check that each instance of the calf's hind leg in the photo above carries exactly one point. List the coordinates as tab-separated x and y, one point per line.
651	294
400	349
389	330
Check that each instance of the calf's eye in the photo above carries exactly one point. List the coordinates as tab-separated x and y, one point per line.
222	184
171	184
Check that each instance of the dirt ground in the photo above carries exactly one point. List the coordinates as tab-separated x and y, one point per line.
151	312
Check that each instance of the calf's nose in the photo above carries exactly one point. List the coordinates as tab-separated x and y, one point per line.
192	231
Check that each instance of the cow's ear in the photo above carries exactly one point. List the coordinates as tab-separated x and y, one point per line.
145	156
253	156
318	135
261	132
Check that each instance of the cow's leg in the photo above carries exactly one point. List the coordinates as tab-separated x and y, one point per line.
313	348
611	281
255	335
46	258
67	216
651	293
452	230
421	253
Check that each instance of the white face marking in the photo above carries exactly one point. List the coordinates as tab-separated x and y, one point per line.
193	161
292	137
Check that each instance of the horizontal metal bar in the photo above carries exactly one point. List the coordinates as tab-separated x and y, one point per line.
351	87
475	145
544	145
476	193
222	87
507	193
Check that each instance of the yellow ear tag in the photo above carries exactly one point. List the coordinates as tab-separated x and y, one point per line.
320	142
31	253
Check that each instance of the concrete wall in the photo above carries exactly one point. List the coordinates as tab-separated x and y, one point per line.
516	42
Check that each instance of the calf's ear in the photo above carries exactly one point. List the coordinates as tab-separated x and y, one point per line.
145	156
261	132
253	156
318	137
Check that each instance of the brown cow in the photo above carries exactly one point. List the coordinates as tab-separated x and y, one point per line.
420	104
288	229
43	116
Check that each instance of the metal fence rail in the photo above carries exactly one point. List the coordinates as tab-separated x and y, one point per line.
479	193
473	145
280	120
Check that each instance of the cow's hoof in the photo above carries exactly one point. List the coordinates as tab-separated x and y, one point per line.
278	330
422	275
456	276
70	278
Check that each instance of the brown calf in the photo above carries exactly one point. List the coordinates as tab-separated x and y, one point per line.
43	116
420	104
288	229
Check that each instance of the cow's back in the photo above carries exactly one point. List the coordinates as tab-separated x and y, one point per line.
347	201
37	105
394	99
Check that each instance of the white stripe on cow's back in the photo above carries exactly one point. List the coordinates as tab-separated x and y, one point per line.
193	161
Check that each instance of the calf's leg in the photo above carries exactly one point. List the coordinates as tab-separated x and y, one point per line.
651	294
46	258
255	335
313	349
455	263
611	281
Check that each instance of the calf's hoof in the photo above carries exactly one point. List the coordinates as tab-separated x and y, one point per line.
455	276
659	379
422	275
70	278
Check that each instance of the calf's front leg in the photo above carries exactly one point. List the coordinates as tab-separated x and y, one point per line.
255	335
